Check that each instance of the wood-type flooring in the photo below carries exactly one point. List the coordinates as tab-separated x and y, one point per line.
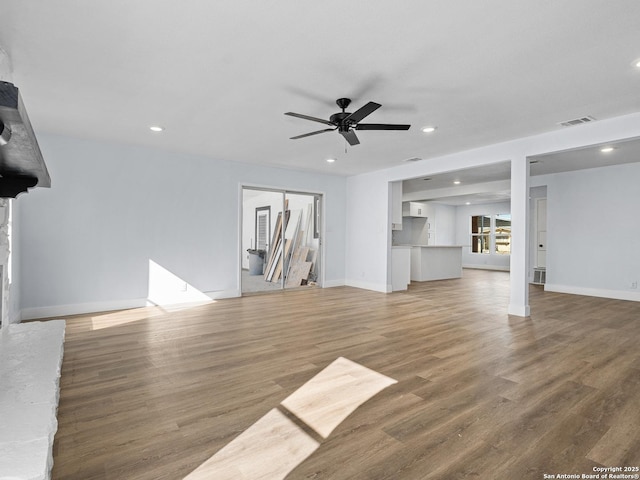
153	394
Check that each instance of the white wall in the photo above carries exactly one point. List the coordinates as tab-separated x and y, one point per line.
369	236
368	246
593	232
112	208
489	261
445	224
86	243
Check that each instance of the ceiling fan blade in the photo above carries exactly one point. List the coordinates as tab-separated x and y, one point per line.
381	126
307	117
351	137
362	112
313	133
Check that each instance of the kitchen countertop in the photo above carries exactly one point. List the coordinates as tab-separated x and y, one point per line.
438	246
429	246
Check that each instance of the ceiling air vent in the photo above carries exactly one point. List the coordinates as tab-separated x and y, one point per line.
577	121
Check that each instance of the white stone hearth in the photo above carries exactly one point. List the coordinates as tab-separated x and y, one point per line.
30	362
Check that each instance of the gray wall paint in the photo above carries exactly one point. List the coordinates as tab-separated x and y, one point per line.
112	208
445	224
593	230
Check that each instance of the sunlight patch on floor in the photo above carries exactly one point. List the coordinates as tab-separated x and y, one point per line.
269	449
123	317
273	446
334	393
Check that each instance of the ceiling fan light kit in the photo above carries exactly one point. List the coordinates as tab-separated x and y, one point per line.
347	123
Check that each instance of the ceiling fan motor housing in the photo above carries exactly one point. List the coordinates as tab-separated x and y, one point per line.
337	118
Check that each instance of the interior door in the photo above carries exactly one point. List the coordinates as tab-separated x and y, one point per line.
262	214
541	233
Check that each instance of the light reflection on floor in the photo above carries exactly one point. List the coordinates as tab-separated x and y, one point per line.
273	446
334	393
123	317
269	449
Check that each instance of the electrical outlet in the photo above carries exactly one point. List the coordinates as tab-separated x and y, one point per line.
185	287
634	284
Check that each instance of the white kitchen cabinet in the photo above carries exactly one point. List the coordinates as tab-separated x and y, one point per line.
396	205
421	219
431	235
400	267
414	209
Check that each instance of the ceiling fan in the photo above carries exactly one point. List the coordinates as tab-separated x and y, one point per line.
346	123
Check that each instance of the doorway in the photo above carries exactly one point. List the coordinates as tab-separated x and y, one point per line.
281	239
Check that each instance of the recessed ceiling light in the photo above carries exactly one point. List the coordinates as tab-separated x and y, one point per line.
456	182
156	128
467	203
331	160
636	63
607	149
429	129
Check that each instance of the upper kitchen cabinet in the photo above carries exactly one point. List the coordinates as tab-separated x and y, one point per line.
417	209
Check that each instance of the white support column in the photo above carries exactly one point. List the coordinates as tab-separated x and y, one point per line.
519	299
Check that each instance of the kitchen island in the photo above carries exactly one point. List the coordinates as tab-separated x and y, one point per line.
435	262
400	267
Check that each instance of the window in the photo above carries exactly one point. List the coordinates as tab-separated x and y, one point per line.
263	227
503	234
491	230
480	233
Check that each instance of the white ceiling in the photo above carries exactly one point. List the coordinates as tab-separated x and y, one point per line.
218	75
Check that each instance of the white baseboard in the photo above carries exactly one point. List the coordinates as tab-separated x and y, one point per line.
81	308
593	292
220	294
519	310
35	313
105	306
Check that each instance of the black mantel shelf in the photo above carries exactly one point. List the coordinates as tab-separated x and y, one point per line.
21	163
